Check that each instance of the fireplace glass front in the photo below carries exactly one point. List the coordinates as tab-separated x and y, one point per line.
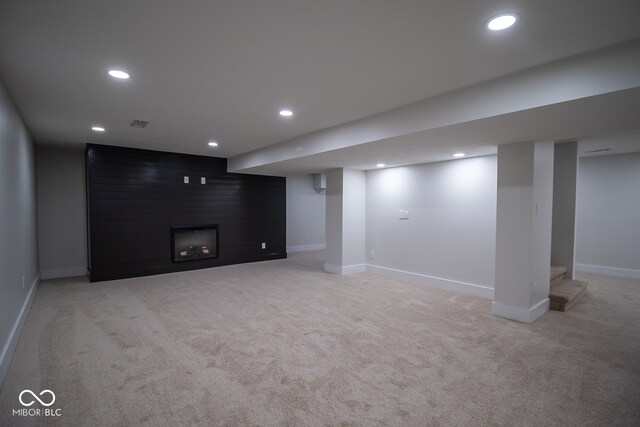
191	243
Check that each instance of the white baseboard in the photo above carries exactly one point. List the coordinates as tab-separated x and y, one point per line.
55	273
526	315
305	248
16	330
452	285
608	271
344	270
539	309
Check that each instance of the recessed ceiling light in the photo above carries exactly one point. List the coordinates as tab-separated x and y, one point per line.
119	74
286	113
380	165
502	22
97	129
459	155
213	144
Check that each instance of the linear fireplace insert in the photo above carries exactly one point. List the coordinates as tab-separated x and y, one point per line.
194	242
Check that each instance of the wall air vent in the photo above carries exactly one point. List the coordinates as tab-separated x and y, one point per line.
599	150
139	124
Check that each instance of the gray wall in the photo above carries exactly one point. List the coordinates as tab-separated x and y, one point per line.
565	181
62	219
18	226
333	219
608	215
305	214
450	233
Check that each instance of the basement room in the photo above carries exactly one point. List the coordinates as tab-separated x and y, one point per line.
320	213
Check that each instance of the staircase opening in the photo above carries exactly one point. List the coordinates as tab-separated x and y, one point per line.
564	293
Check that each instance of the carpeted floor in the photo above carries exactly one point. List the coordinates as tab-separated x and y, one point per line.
282	343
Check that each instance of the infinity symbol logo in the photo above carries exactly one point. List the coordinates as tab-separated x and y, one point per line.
53	398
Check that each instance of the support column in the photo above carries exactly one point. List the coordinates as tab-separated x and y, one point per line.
523	230
345	221
565	178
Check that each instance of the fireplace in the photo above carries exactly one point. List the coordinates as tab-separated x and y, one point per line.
194	242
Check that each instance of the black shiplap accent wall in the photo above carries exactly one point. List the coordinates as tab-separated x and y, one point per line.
135	196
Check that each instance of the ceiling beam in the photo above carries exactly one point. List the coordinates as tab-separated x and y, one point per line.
592	74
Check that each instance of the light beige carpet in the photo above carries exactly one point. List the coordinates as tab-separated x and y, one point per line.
282	343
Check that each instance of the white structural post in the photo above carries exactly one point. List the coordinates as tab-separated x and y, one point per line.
523	230
345	221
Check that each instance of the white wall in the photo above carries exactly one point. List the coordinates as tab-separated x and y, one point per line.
449	238
305	214
18	227
62	218
608	215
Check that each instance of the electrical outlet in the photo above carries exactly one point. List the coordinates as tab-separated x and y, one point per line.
203	180
186	180
264	246
306	238
372	254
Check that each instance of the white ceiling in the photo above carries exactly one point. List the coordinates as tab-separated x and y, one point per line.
573	120
221	70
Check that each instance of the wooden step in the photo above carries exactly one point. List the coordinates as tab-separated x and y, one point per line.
557	272
565	293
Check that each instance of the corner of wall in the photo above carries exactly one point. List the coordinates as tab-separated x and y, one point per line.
520	314
482	291
12	340
344	270
305	248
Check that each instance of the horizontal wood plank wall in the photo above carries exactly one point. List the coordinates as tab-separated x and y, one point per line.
135	196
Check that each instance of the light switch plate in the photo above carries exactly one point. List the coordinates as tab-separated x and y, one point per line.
203	180
186	179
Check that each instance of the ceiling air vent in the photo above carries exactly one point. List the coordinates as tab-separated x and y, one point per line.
599	150
139	124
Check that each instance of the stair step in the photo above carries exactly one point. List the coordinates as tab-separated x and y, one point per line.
565	293
557	272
